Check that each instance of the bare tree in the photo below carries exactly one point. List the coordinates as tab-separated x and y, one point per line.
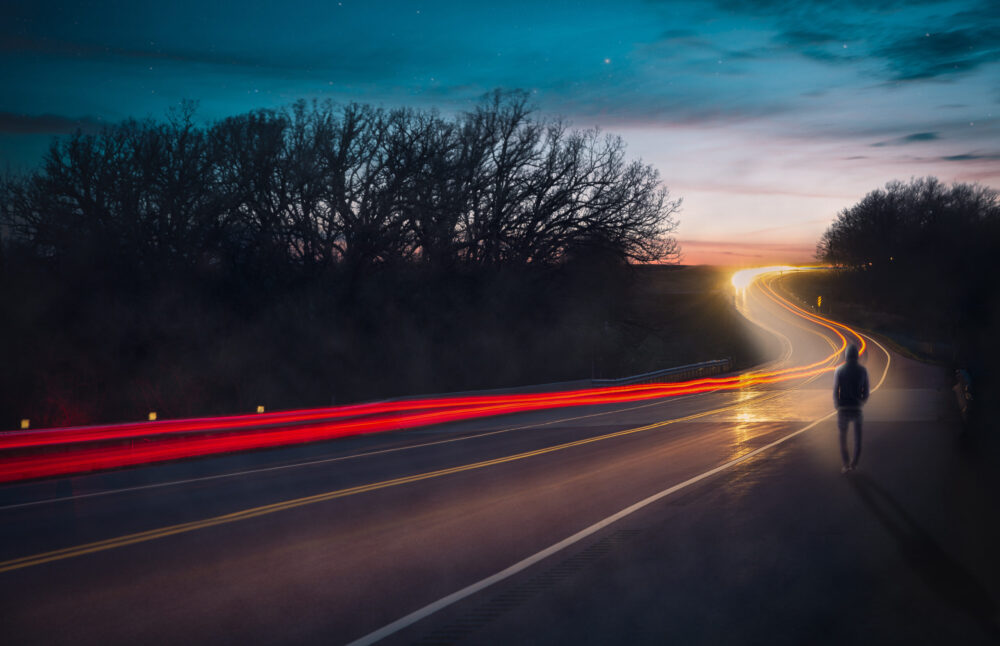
318	184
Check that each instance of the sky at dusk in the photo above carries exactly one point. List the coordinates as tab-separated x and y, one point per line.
766	116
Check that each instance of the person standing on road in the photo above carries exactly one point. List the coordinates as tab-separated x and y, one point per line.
850	392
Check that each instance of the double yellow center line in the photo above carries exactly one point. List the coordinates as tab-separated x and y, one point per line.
171	530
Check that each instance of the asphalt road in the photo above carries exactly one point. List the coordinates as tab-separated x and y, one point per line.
712	518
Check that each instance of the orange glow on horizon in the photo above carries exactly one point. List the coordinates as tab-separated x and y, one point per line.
728	253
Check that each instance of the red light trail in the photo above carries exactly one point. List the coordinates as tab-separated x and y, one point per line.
62	451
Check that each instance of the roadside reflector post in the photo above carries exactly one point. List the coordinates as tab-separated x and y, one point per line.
260	409
152	416
819	301
25	424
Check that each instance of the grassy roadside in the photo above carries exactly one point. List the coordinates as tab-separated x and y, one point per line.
911	338
675	316
93	353
923	340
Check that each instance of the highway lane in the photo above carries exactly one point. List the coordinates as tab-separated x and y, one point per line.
347	537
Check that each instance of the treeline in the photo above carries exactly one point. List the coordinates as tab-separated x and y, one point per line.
922	226
923	247
313	254
320	184
925	252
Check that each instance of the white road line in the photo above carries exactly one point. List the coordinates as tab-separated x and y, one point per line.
444	602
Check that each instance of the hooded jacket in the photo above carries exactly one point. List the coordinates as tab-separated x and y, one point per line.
850	383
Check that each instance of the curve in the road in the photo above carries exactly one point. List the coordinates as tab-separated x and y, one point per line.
810	372
83	449
444	602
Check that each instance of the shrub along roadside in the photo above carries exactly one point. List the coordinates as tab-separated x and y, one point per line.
317	253
81	352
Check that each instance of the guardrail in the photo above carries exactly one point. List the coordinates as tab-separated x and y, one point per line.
680	373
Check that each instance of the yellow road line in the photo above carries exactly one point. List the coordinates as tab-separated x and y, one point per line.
352	456
153	534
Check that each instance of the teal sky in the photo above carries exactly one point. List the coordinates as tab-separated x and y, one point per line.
766	116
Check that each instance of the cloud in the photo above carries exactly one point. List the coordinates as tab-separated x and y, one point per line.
374	60
25	124
971	157
889	38
899	129
920	136
916	137
941	53
801	38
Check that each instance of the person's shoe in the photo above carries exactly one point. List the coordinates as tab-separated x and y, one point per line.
844	469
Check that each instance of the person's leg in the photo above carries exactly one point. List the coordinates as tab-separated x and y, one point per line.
857	439
842	427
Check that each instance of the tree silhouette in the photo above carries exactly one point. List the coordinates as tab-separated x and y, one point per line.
314	251
318	184
925	252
